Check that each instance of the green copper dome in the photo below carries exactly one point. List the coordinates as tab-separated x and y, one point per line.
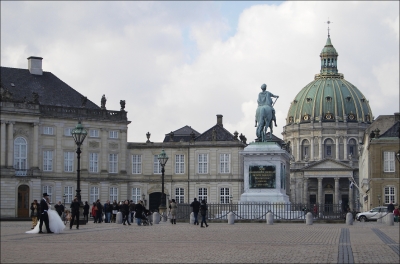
329	97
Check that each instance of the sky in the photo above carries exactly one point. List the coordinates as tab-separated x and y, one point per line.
182	63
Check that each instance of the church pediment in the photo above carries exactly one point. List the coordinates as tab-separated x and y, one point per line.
328	164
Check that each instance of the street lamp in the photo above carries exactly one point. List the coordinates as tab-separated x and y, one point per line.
398	156
79	134
162	158
379	200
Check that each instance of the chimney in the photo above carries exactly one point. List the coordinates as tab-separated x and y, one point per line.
219	120
35	65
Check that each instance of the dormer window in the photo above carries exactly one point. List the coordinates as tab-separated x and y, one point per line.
352	116
348	99
363	100
306	117
291	119
329	116
328	99
295	101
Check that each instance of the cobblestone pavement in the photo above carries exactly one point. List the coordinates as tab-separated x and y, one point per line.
219	243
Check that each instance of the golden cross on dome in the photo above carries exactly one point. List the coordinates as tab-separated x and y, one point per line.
328	22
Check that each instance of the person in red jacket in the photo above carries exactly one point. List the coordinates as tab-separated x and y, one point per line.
396	214
94	212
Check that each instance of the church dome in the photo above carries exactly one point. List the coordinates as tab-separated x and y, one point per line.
329	97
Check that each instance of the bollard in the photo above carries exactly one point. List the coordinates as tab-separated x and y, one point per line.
191	218
309	218
231	218
390	219
349	219
156	218
119	218
379	219
164	217
270	218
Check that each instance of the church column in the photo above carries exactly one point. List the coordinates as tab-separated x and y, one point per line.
312	149
345	148
351	197
10	144
305	196
320	148
337	190
35	144
337	147
298	150
319	191
3	143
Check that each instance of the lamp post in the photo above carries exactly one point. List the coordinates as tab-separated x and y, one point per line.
79	134
162	158
398	156
379	200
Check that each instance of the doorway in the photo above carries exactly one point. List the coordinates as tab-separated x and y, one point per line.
328	203
313	199
345	202
23	201
154	201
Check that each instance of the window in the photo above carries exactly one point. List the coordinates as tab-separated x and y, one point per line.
94	194
49	190
68	161
67	132
93	162
136	164
20	156
68	194
93	133
113	134
135	195
179	164
224	195
389	195
47	130
203	163
47	160
180	195
328	147
329	150
113	163
156	165
388	161
113	193
202	194
225	163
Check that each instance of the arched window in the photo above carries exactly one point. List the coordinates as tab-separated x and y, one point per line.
329	146
352	147
305	150
20	156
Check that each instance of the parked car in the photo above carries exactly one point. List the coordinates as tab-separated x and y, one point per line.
371	215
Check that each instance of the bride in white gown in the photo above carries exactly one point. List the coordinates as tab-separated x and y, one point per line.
55	223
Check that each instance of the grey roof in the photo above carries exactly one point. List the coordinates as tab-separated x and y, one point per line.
221	134
51	90
182	134
394	131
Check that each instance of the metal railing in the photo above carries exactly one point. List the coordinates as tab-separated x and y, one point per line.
23	172
258	211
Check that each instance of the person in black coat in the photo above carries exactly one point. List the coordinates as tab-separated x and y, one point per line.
75	213
139	211
125	212
99	213
203	212
390	208
86	208
43	214
196	208
59	208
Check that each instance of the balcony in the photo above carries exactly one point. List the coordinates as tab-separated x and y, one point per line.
23	172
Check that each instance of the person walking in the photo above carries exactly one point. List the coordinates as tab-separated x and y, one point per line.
94	210
125	212
44	217
75	213
203	212
390	208
99	212
196	208
139	208
108	211
115	209
396	214
86	211
132	210
59	208
34	213
172	209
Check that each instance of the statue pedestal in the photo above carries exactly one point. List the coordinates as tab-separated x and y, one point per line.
266	173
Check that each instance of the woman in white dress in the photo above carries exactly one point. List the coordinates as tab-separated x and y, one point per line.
55	223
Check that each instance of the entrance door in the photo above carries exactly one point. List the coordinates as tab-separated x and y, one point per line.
154	201
23	201
313	199
345	202
328	203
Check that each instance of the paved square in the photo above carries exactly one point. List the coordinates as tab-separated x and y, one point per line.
219	243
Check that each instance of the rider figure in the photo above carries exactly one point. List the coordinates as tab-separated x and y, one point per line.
264	98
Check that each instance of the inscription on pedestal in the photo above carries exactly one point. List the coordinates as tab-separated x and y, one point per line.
262	177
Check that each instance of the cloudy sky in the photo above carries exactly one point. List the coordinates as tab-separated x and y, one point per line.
182	63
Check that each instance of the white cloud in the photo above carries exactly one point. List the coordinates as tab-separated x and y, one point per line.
138	51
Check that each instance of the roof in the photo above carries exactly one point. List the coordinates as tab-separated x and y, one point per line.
182	134
216	133
393	131
50	89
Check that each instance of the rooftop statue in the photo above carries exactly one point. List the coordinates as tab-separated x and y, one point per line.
265	114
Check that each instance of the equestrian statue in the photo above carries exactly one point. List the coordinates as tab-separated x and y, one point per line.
265	114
